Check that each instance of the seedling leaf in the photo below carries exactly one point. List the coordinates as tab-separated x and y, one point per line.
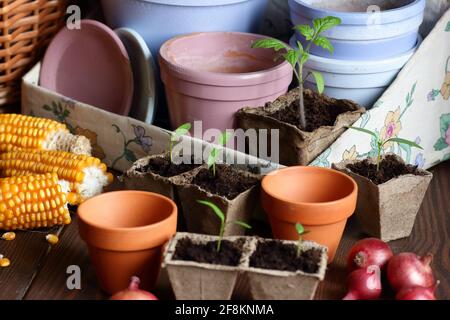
365	131
270	43
326	23
212	158
320	82
224	138
181	131
324	43
404	141
243	224
306	31
292	57
300	229
215	208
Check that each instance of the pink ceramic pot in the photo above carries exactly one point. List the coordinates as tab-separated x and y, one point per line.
210	76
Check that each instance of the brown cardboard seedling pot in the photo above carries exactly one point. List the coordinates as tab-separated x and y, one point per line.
298	147
388	210
125	232
192	280
270	284
140	177
200	219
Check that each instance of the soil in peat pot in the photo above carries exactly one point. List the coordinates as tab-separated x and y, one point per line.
165	168
229	255
274	255
318	112
228	182
390	167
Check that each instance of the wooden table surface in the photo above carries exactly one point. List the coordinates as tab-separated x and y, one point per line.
38	270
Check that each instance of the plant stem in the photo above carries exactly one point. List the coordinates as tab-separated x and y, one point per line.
380	145
299	246
171	147
302	100
222	229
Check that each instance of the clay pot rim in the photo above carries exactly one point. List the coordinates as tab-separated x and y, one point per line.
218	78
170	251
342	166
316	204
82	214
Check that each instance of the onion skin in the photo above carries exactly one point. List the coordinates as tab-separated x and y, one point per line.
133	292
417	293
364	284
407	270
367	252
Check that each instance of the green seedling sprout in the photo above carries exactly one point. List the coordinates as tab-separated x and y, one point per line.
176	135
298	57
221	216
212	159
380	143
300	231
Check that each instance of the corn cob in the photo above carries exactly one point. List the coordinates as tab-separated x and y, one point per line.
85	176
33	201
25	132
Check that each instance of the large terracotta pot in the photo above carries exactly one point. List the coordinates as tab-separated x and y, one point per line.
318	198
210	76
125	233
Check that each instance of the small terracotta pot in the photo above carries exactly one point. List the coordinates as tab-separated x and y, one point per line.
318	198
125	232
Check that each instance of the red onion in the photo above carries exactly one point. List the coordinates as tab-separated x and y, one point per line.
368	252
407	270
133	292
417	293
364	284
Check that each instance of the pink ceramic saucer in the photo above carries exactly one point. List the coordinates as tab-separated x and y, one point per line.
90	65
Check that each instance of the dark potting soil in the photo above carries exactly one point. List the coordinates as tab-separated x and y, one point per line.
229	255
390	167
275	255
165	168
228	182
318	113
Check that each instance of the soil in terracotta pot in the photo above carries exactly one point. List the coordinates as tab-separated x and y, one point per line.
165	168
390	167
229	254
228	182
318	113
274	255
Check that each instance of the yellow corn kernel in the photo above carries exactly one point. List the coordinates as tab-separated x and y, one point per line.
9	236
52	239
4	262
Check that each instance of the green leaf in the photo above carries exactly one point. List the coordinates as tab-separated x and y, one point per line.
300	47
292	57
129	155
300	229
306	31
47	107
242	224
183	129
224	138
304	57
270	43
373	134
215	208
324	24
212	158
441	145
324	43
320	82
404	141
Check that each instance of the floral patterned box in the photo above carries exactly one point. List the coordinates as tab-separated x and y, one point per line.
117	140
415	107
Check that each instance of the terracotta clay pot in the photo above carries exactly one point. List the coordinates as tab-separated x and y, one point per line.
125	232
318	198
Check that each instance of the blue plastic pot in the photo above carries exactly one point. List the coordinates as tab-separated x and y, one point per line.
159	20
364	35
361	81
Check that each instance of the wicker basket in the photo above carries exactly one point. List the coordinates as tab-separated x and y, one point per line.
26	27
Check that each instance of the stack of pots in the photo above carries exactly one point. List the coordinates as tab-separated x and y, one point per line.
373	43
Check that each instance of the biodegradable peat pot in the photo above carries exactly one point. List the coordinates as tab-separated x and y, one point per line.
274	272
210	76
194	280
299	147
387	210
320	199
125	232
240	205
157	174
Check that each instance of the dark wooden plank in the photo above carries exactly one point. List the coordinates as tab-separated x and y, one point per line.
430	235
